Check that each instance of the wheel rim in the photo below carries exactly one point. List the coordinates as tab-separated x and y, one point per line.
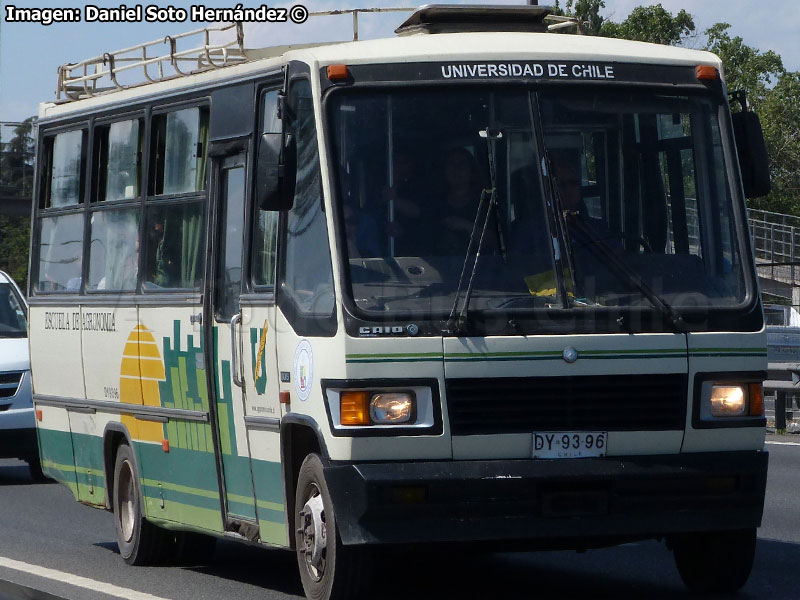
126	499
313	533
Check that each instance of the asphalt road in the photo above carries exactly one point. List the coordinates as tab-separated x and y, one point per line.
41	525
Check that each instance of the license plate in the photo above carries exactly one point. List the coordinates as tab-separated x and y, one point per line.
569	444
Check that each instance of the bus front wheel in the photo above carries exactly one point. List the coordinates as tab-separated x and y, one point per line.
328	569
140	542
715	561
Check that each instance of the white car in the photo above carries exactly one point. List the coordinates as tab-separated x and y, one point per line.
17	420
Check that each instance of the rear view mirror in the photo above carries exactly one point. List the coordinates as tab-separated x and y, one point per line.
275	172
752	153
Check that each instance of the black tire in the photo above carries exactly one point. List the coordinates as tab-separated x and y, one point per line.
342	572
715	561
35	468
140	542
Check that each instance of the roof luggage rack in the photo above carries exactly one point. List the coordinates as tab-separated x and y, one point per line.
103	74
100	74
454	18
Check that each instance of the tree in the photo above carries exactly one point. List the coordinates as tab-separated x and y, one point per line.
16	181
652	24
746	68
587	11
645	23
779	111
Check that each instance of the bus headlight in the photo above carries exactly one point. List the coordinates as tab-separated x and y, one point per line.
387	408
728	400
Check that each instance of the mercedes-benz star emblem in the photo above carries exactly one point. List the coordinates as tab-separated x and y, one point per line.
570	354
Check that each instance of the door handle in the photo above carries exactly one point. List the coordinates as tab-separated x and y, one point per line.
196	319
236	373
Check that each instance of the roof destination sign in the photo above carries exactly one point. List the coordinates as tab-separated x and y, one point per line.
551	71
527	70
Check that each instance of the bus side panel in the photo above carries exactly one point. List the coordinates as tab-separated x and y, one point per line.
109	349
55	446
57	371
260	364
176	458
722	353
87	444
55	344
268	483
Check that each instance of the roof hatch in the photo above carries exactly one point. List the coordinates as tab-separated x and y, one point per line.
452	18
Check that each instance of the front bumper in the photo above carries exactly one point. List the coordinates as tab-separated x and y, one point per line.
19	443
580	502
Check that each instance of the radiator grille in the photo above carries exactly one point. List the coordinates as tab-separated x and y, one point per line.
9	382
593	403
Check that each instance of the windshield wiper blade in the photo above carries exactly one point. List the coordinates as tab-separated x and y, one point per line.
627	273
457	324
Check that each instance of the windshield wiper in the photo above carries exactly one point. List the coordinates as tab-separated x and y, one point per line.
626	272
457	324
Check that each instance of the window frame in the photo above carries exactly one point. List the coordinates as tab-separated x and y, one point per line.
149	199
41	193
251	209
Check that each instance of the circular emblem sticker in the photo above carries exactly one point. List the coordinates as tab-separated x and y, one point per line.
570	354
303	369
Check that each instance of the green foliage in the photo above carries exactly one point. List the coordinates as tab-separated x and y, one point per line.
14	247
587	11
774	94
780	117
746	68
652	24
16	180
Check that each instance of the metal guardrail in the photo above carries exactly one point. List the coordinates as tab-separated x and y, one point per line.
776	245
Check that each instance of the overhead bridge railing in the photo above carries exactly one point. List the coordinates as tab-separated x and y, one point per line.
102	74
776	245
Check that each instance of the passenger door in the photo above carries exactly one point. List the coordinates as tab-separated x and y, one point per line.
231	192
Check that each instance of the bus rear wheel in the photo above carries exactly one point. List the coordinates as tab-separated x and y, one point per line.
328	569
140	542
715	561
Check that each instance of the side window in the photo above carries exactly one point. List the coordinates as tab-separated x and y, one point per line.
118	160
114	250
60	228
175	242
270	123
63	184
174	231
265	225
179	148
308	278
60	253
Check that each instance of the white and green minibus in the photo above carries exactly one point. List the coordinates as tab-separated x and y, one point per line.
476	283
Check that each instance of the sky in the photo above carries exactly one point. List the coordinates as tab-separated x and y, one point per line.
30	53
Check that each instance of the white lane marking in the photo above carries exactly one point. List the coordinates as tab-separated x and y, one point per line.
783	443
76	580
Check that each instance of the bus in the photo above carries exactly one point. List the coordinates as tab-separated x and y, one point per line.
478	283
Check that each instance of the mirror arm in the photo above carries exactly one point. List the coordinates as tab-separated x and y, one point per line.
740	96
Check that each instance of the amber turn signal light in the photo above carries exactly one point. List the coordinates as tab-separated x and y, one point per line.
704	72
756	399
337	72
354	408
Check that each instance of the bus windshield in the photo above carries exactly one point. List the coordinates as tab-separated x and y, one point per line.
622	189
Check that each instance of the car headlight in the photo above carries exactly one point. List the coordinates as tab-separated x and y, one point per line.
736	400
391	407
728	400
376	408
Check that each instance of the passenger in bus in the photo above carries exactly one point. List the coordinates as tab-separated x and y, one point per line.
567	171
458	202
361	233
